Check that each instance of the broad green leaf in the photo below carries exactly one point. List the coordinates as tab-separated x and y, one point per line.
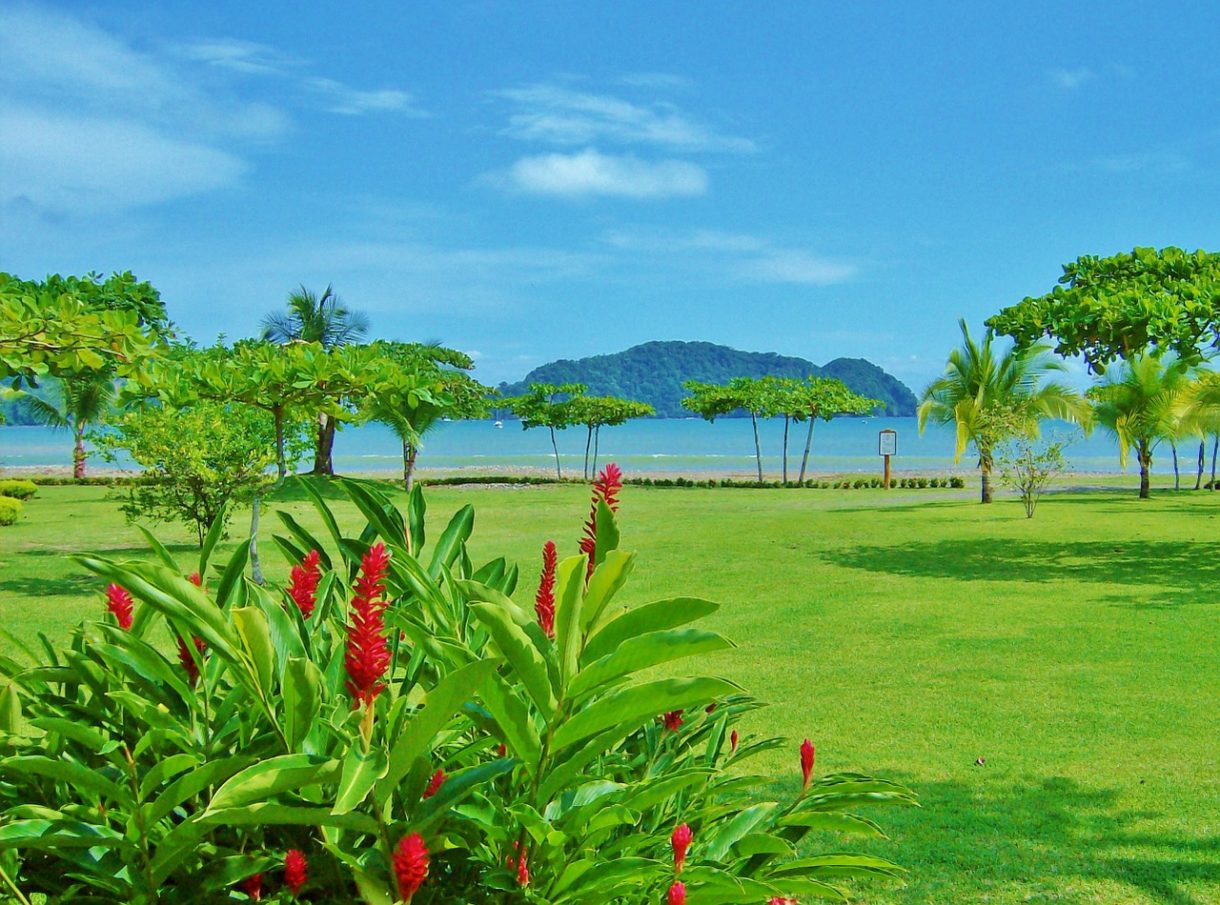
838	823
716	848
524	658
569	591
517	728
191	784
643	651
606	581
652	617
215	532
232	574
360	773
305	538
302	686
285	773
255	635
449	545
78	776
270	814
455	788
824	866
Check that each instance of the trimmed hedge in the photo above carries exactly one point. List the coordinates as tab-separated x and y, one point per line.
17	490
10	510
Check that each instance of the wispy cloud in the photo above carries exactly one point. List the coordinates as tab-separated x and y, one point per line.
555	114
245	57
1071	79
740	256
341	98
1160	162
661	81
591	173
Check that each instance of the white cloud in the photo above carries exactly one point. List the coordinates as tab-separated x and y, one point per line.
788	265
340	98
557	115
245	57
591	173
1071	79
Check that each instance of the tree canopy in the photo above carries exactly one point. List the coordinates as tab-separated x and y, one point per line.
1123	305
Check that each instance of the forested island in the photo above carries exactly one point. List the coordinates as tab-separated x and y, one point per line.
654	372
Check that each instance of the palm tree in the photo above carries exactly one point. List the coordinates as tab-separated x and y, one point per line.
990	396
327	321
1140	404
1200	417
83	401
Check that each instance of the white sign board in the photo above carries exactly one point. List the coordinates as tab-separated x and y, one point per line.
887	443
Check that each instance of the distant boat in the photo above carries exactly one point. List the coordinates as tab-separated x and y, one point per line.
499	424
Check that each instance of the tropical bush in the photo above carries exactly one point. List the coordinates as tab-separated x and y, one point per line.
10	510
393	726
18	490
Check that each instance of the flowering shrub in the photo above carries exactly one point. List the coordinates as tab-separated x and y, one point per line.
393	727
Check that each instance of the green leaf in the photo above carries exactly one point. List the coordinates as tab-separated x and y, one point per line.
255	635
652	617
374	506
456	787
232	574
824	866
524	658
439	706
78	776
838	823
725	837
360	773
644	651
305	538
637	704
215	532
302	686
285	773
569	589
449	546
607	533
608	578
270	814
159	549
516	726
191	784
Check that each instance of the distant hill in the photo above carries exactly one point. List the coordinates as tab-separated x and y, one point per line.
654	372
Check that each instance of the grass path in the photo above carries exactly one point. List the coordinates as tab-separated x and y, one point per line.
1076	654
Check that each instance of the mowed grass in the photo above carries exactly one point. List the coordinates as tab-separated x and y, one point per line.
908	635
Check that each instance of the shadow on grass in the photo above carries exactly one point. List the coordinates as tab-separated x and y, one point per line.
1186	566
1035	839
76	586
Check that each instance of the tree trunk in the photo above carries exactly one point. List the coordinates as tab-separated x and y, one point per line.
1202	463
1145	457
588	443
597	442
409	453
757	446
784	467
78	453
323	460
256	569
555	447
1215	449
985	468
808	446
1177	477
281	467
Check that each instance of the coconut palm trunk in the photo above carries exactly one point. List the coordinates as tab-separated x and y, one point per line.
1145	459
1215	450
985	466
808	446
1177	475
323	461
1200	465
78	452
409	453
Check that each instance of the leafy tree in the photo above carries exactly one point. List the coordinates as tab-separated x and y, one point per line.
196	460
822	398
1124	305
1139	403
596	412
83	401
324	320
547	405
1200	417
1028	465
439	388
987	395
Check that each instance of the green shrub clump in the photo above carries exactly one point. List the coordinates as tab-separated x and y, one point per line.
10	510
393	726
18	490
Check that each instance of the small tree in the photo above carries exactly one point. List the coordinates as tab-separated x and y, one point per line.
823	398
1028	465
83	400
195	460
547	405
596	412
711	401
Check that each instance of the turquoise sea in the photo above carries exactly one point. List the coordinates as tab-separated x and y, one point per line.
674	446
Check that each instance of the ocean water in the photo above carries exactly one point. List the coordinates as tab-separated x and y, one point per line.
674	446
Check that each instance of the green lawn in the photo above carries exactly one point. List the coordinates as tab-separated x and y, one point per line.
908	634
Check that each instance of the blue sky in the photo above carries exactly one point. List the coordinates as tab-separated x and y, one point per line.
535	181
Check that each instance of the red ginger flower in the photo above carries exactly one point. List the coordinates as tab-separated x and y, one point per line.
677	894
295	870
368	654
733	739
435	783
253	887
606	489
303	582
672	720
118	602
196	579
782	900
410	865
523	870
807	754
544	600
680	840
188	661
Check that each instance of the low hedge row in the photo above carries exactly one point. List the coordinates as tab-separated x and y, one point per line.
840	484
17	490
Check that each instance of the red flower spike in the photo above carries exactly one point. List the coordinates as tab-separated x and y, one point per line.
196	579
733	739
606	489
523	870
368	654
187	661
118	603
680	840
807	754
672	720
677	894
303	582
410	865
253	887
501	749
296	870
544	600
782	900
435	783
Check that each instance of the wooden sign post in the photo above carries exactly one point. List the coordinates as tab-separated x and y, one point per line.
887	445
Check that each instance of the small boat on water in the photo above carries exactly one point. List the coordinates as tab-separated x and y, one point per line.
499	424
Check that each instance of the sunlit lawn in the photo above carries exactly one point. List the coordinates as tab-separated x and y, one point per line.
908	634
